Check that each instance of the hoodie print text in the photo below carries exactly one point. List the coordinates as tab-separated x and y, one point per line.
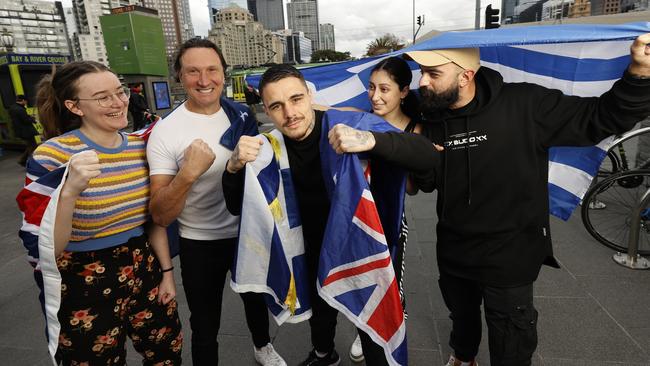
461	140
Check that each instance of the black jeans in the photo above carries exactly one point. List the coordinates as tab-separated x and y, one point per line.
204	265
509	313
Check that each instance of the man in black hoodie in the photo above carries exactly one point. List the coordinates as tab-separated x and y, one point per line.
493	228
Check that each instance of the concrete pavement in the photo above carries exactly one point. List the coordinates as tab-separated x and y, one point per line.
592	311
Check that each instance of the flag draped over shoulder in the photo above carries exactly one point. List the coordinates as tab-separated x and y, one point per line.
578	59
38	202
271	251
355	273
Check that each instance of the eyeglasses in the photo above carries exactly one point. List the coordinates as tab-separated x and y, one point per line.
107	100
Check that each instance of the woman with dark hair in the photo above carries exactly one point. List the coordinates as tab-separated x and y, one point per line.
105	275
392	99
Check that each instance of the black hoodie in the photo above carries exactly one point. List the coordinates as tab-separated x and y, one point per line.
493	197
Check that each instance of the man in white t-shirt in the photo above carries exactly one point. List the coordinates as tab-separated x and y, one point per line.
187	153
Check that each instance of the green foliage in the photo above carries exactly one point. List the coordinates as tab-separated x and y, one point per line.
384	44
329	56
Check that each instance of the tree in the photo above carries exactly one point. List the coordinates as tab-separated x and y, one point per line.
384	44
329	56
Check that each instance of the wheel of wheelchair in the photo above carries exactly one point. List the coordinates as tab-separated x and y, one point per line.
607	208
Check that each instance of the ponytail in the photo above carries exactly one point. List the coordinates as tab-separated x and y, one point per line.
411	106
54	89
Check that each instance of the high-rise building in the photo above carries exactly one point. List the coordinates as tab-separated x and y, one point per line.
507	11
36	26
88	41
268	12
215	5
134	41
580	8
70	22
243	41
603	7
327	41
176	22
303	17
297	47
556	9
528	11
634	5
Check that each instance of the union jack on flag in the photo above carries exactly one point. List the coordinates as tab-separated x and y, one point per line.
355	273
37	202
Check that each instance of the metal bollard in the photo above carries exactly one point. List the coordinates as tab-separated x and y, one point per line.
632	259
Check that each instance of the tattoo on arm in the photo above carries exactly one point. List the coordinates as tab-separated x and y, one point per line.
362	138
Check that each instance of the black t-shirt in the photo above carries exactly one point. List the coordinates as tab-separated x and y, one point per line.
307	176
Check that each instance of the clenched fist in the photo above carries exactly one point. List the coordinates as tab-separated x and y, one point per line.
246	151
345	139
83	167
198	157
640	53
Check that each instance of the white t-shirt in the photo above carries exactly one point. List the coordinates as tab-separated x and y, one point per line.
205	216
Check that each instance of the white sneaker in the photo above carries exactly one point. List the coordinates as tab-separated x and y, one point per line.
356	350
267	356
453	361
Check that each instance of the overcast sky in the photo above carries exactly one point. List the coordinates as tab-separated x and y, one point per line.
358	22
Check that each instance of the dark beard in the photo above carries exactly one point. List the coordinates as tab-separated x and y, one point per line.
431	101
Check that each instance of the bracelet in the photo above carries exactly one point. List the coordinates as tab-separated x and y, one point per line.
168	269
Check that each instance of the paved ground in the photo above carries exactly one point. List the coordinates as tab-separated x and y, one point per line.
592	312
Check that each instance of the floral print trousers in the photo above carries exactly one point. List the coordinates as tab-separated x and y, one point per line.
110	294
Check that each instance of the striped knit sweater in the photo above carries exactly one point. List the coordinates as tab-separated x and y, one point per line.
114	206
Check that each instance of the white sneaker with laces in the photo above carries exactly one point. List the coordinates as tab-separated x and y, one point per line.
356	350
267	356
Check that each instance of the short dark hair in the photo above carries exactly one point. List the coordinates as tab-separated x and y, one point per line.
196	42
20	97
279	72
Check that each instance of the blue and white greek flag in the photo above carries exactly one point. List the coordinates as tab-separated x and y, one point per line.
578	59
271	252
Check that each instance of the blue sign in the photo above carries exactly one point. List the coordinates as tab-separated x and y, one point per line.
161	95
33	59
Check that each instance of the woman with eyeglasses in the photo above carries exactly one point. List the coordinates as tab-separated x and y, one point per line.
115	270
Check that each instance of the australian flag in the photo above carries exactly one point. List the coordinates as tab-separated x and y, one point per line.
355	274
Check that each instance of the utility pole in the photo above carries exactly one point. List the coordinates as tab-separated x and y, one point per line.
420	23
477	15
413	22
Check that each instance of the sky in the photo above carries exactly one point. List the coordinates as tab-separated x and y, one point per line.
358	22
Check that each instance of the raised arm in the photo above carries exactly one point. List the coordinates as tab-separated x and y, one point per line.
82	168
573	121
169	192
410	151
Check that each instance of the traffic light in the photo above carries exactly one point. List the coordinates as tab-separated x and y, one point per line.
491	17
419	21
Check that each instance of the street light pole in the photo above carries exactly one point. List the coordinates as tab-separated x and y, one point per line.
413	21
477	15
